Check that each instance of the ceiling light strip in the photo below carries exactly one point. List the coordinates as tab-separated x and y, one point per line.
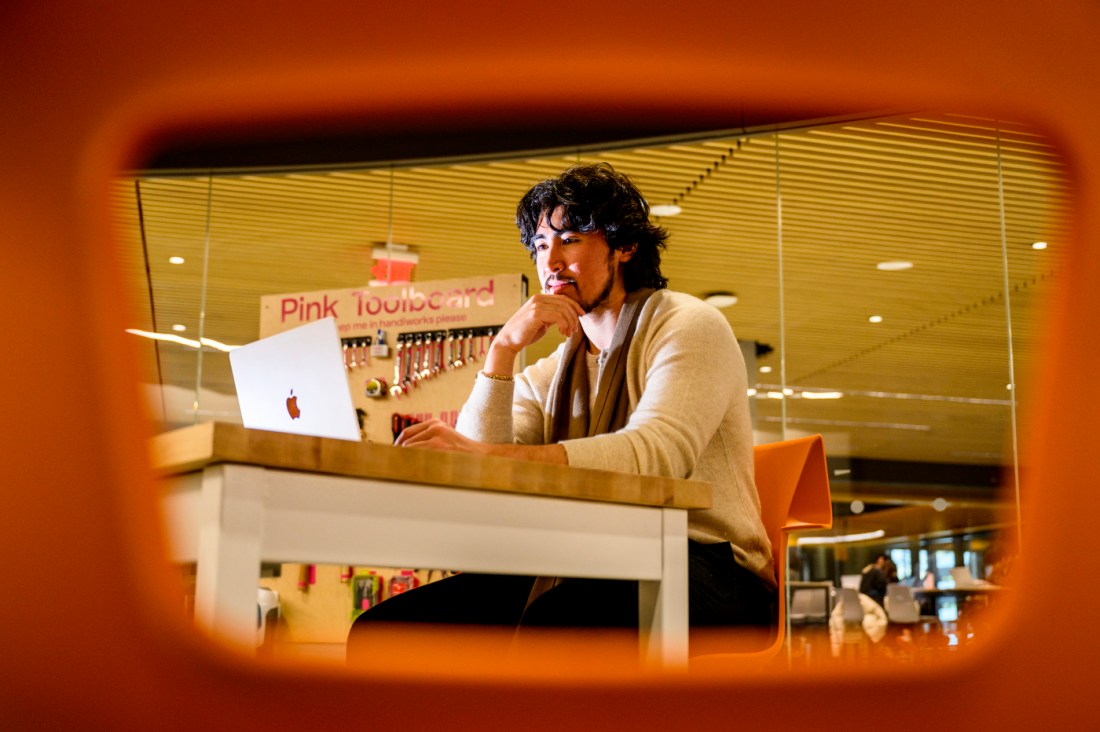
188	342
899	395
841	539
847	423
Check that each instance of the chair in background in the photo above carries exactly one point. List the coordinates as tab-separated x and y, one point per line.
912	634
851	580
793	482
901	606
809	606
851	614
850	606
857	622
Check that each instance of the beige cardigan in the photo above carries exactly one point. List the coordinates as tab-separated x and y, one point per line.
687	387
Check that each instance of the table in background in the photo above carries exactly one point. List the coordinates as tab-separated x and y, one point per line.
237	497
986	592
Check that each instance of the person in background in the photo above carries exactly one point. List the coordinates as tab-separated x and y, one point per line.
648	381
890	570
873	580
999	567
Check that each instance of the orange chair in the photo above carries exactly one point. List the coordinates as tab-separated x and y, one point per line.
793	483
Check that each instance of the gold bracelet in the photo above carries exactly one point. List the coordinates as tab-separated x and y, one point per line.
496	377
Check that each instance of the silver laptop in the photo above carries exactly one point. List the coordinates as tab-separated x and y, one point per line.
295	382
963	578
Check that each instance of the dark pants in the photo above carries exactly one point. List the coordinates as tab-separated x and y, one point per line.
720	593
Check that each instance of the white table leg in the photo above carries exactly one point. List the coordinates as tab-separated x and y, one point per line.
663	604
230	531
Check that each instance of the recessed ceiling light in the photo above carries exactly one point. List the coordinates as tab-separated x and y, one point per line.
720	299
939	504
1039	245
895	266
765	369
179	327
670	209
875	319
176	260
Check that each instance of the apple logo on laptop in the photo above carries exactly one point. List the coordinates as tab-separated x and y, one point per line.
292	406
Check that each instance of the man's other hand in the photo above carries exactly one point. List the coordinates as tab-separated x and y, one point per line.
438	435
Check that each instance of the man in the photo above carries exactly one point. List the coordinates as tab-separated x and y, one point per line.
648	381
873	580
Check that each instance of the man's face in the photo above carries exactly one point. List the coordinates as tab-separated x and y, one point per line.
578	265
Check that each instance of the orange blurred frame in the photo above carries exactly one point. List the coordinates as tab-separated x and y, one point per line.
91	635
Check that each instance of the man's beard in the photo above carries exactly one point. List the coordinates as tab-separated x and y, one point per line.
600	300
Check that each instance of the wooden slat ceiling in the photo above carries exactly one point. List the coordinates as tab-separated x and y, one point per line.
928	383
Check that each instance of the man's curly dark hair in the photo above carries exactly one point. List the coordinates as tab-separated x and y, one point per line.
599	198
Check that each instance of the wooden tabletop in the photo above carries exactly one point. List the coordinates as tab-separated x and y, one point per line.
193	448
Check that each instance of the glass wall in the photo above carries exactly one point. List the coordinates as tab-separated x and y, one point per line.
870	261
